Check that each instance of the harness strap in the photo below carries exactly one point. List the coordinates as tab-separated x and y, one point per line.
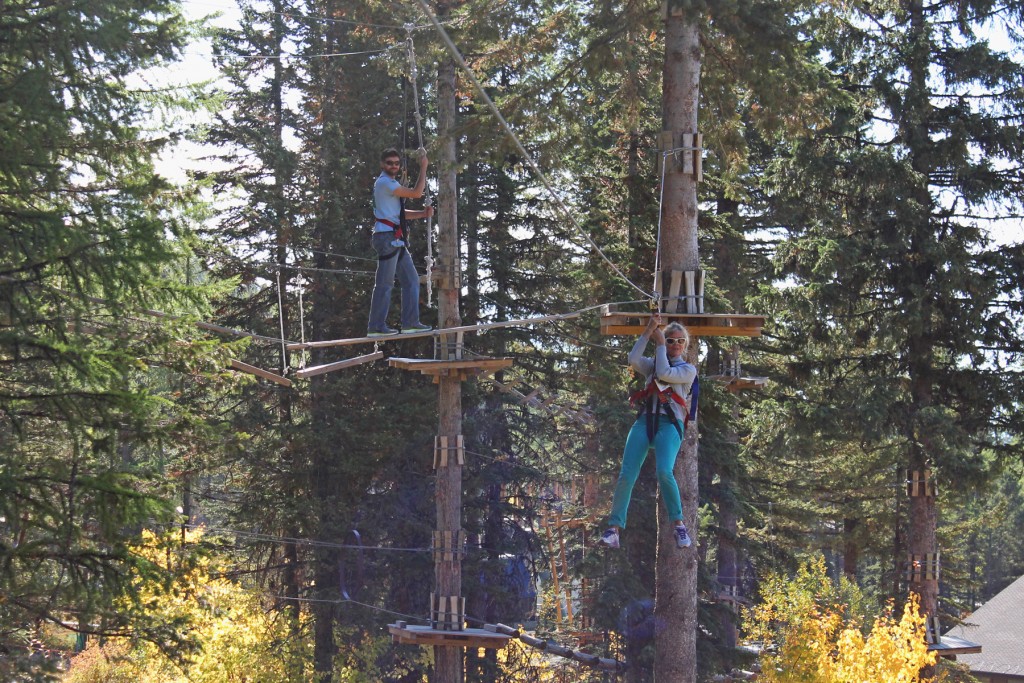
397	252
398	227
650	399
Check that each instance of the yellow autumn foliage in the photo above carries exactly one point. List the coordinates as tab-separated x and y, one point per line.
237	637
810	631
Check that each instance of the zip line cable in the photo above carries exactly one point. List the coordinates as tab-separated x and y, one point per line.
286	55
256	536
521	322
457	56
285	540
336	255
311	269
341	601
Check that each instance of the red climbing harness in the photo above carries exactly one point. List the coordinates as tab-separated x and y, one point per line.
639	399
399	233
655	399
402	223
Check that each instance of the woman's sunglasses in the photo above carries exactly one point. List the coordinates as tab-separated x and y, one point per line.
675	340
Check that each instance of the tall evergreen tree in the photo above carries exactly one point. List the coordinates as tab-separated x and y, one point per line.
912	307
91	237
259	239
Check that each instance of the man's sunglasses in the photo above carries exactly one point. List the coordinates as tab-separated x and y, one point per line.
392	163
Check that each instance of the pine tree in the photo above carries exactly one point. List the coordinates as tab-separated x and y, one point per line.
258	241
92	238
904	298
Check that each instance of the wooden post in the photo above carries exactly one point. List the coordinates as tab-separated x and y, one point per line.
676	573
448	575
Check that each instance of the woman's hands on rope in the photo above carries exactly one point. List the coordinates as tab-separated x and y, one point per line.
654	329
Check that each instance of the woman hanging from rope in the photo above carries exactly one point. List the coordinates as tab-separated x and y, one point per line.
661	423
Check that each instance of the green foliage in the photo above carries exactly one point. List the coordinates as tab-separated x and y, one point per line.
851	188
890	307
91	238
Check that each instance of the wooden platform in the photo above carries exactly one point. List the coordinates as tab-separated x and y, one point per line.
698	324
428	637
461	369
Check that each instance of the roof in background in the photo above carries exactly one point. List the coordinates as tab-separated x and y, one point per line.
998	626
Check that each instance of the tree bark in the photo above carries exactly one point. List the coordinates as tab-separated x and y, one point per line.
921	352
324	456
448	575
676	581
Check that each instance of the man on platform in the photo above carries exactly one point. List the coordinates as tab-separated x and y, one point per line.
389	242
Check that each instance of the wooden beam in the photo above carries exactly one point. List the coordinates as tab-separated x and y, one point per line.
698	324
450	368
675	284
694	330
315	370
260	372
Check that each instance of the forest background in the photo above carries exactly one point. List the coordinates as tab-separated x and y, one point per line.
862	191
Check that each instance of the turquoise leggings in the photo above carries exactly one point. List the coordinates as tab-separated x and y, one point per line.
666	448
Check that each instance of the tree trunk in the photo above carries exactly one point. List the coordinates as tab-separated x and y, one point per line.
921	351
676	580
290	576
851	549
728	532
448	575
328	476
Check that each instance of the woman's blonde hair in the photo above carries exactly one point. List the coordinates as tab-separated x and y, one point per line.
677	327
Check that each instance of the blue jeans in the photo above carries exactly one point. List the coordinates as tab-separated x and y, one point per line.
666	447
400	263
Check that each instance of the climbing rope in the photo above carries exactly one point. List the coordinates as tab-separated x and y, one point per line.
656	304
414	78
280	320
302	318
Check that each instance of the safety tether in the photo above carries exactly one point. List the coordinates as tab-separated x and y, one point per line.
414	77
656	301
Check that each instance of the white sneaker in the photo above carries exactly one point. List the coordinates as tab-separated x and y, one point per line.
682	537
610	538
